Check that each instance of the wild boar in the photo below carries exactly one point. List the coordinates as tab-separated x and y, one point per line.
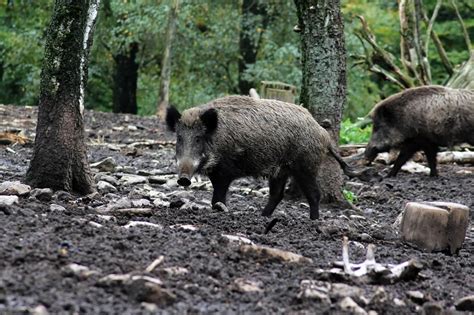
238	136
421	119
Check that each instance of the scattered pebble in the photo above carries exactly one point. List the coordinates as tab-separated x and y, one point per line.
416	296
347	304
247	285
54	207
42	194
106	187
106	165
8	200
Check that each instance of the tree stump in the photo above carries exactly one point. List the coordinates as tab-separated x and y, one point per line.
435	226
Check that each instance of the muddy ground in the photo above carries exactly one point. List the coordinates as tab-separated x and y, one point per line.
39	242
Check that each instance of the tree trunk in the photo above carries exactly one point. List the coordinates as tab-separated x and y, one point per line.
323	89
164	95
249	38
125	81
60	155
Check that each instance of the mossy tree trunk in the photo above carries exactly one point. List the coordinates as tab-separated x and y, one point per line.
60	155
323	89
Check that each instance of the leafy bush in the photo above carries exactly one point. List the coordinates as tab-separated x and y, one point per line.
352	133
349	196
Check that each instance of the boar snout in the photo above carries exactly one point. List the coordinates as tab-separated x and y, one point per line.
370	154
186	170
184	180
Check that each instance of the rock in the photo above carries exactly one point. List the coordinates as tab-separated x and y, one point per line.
175	271
42	194
95	224
413	167
435	226
380	296
237	239
106	178
8	200
38	310
340	290
159	179
314	290
465	304
122	203
161	203
142	224
141	203
219	206
399	302
347	304
54	207
274	253
106	165
130	179
105	187
14	188
416	296
145	291
186	227
79	271
246	285
432	308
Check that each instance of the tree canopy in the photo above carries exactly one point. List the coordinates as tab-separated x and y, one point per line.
205	62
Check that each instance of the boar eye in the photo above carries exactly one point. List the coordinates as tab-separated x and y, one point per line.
179	139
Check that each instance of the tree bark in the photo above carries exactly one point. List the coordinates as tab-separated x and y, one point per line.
323	89
60	155
249	39
164	95
125	81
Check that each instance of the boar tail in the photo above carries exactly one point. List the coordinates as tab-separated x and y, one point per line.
347	169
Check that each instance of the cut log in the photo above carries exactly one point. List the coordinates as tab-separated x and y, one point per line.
435	226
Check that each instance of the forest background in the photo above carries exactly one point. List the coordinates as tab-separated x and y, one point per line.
130	42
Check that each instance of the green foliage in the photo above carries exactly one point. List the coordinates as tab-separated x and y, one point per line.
206	50
351	133
349	196
21	49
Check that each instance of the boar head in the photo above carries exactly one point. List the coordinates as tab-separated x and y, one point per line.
193	137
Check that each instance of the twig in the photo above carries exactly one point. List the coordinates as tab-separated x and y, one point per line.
154	264
430	24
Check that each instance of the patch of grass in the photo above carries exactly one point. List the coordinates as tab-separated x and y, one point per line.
349	196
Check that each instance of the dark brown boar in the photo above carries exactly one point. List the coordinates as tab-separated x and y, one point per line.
421	119
238	136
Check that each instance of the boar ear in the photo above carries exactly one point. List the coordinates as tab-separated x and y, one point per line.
386	114
209	119
172	117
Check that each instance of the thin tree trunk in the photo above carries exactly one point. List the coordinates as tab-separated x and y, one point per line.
252	11
60	155
323	89
165	78
125	81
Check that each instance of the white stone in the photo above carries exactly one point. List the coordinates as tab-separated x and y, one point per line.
55	207
142	224
14	188
161	203
105	187
130	179
237	239
348	304
8	200
106	165
176	271
247	285
139	203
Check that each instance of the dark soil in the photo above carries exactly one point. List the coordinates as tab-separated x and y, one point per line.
37	244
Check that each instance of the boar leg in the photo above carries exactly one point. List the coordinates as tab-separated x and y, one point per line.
308	184
221	186
406	152
430	152
277	189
